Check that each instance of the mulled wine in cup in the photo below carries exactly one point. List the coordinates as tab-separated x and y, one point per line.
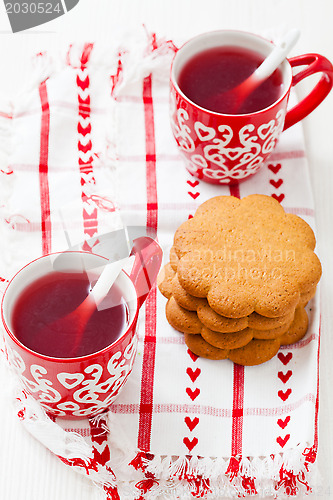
71	378
221	143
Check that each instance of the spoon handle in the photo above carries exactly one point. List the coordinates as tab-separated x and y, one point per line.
147	263
106	280
277	55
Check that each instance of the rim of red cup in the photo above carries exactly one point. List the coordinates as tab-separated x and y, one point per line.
216	113
79	358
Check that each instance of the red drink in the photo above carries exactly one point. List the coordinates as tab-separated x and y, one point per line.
49	299
207	77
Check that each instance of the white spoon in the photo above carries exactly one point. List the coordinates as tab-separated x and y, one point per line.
147	256
75	322
264	71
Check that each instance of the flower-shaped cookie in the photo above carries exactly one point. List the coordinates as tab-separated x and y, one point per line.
246	255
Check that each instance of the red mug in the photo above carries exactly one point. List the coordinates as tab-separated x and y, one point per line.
81	387
227	148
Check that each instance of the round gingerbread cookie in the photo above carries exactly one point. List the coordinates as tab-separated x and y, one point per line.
227	340
164	280
173	258
297	329
260	322
182	320
168	284
183	298
307	296
272	334
255	352
201	348
219	323
222	324
254	320
188	321
246	255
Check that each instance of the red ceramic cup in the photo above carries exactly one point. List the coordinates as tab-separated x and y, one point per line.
224	148
84	386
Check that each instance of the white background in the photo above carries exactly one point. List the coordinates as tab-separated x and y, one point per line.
27	470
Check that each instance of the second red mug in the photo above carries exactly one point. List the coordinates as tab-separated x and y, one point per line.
227	148
81	387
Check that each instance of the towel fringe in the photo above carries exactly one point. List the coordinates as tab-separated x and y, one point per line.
286	474
69	446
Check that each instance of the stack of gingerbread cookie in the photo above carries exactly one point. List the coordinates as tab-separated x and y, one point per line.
239	277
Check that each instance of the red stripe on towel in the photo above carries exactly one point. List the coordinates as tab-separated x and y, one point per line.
238	386
148	362
152	206
237	411
99	436
317	398
43	170
200	409
89	214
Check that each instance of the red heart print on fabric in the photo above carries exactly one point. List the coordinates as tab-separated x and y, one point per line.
274	168
191	423
194	195
84	130
84	140
282	441
190	444
83	84
277	183
284	395
284	377
278	197
193	356
193	394
285	358
85	147
193	374
193	184
283	423
84	101
102	457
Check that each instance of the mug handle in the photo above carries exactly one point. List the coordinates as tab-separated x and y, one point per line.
148	257
315	64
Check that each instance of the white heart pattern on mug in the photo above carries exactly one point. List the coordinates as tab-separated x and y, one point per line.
255	142
70	380
203	132
90	397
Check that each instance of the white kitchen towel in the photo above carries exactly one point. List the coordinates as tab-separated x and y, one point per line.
88	147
